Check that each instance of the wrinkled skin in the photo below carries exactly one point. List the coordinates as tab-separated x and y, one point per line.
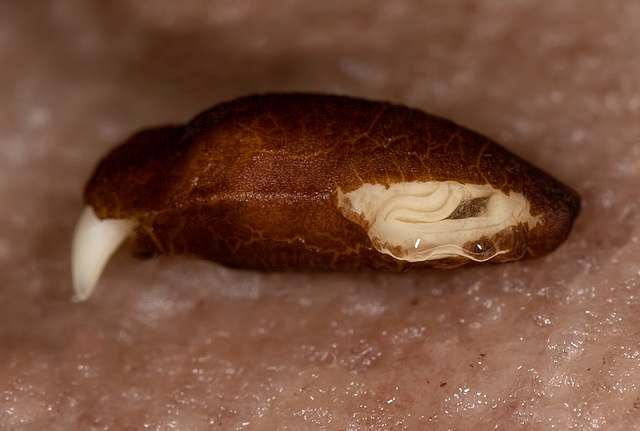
176	343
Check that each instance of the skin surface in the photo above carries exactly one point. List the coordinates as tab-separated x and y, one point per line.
253	183
179	343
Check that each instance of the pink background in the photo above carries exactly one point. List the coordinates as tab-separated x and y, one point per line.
175	343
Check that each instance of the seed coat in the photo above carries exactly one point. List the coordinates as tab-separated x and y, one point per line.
318	182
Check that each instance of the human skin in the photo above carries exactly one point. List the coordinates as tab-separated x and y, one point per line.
187	344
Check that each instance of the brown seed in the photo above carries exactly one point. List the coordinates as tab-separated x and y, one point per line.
316	182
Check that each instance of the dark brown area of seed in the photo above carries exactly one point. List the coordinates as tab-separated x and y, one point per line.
470	208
